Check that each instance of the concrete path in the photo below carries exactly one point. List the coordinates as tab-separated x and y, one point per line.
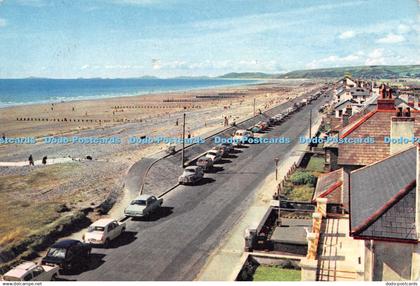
38	162
226	261
340	254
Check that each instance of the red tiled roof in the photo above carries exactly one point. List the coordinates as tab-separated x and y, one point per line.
376	124
330	186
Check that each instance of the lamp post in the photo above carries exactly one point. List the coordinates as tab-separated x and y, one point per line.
276	161
183	142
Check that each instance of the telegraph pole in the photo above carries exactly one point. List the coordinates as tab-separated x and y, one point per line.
183	142
310	123
254	106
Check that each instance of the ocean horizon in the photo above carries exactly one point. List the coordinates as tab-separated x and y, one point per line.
14	92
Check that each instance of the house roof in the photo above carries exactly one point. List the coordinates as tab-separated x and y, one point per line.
381	203
376	124
332	186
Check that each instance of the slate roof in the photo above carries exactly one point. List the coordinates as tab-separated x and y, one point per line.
376	124
381	198
333	186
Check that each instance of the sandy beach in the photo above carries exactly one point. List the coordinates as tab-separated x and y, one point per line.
81	183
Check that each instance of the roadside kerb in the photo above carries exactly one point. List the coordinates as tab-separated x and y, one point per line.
215	134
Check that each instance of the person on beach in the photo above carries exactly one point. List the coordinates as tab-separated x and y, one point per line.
31	160
44	160
3	136
176	122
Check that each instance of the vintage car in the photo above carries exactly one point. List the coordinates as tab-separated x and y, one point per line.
264	125
228	146
143	206
241	136
103	231
255	129
67	254
30	271
222	148
215	155
191	175
205	162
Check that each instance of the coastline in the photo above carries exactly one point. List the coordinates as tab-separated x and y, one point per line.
244	82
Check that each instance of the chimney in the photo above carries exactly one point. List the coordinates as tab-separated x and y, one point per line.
386	102
345	117
401	127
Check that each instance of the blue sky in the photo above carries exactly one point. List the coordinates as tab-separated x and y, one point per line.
129	38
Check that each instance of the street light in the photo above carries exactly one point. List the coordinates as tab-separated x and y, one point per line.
276	161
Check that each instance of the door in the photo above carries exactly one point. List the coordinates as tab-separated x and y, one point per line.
39	274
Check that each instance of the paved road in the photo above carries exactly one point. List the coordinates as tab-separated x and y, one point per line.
175	244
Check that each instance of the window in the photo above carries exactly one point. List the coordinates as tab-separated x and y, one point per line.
57	252
96	228
37	271
28	277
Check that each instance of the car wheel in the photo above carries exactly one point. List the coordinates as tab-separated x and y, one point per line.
54	277
107	243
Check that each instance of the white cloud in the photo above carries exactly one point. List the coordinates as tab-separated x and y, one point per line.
391	39
347	34
85	67
335	61
376	57
3	22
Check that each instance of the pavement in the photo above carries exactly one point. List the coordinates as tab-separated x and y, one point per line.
176	243
227	260
340	253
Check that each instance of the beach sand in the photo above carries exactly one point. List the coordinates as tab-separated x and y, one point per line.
86	183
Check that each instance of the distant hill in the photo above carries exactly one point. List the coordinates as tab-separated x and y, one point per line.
247	75
358	72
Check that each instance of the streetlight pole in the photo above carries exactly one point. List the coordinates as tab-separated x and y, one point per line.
276	161
183	142
254	106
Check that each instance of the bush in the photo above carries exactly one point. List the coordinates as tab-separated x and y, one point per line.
303	178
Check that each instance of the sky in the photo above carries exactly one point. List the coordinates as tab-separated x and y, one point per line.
167	38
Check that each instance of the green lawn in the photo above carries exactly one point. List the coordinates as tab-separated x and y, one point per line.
272	273
316	164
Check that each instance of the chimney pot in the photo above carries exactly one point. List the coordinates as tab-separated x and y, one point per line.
400	112
408	112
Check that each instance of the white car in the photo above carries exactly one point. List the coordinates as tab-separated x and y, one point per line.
241	136
143	206
103	231
29	271
214	155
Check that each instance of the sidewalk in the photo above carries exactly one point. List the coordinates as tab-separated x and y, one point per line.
226	261
340	254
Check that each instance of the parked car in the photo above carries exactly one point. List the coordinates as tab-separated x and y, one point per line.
229	147
30	271
103	231
191	175
205	163
241	136
215	155
67	254
263	124
223	149
143	206
255	129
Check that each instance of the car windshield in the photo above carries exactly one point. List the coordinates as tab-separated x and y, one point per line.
190	170
96	228
57	252
139	202
212	153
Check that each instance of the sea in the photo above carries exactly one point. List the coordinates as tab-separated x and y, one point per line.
15	92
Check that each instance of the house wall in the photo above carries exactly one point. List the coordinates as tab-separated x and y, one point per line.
391	261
